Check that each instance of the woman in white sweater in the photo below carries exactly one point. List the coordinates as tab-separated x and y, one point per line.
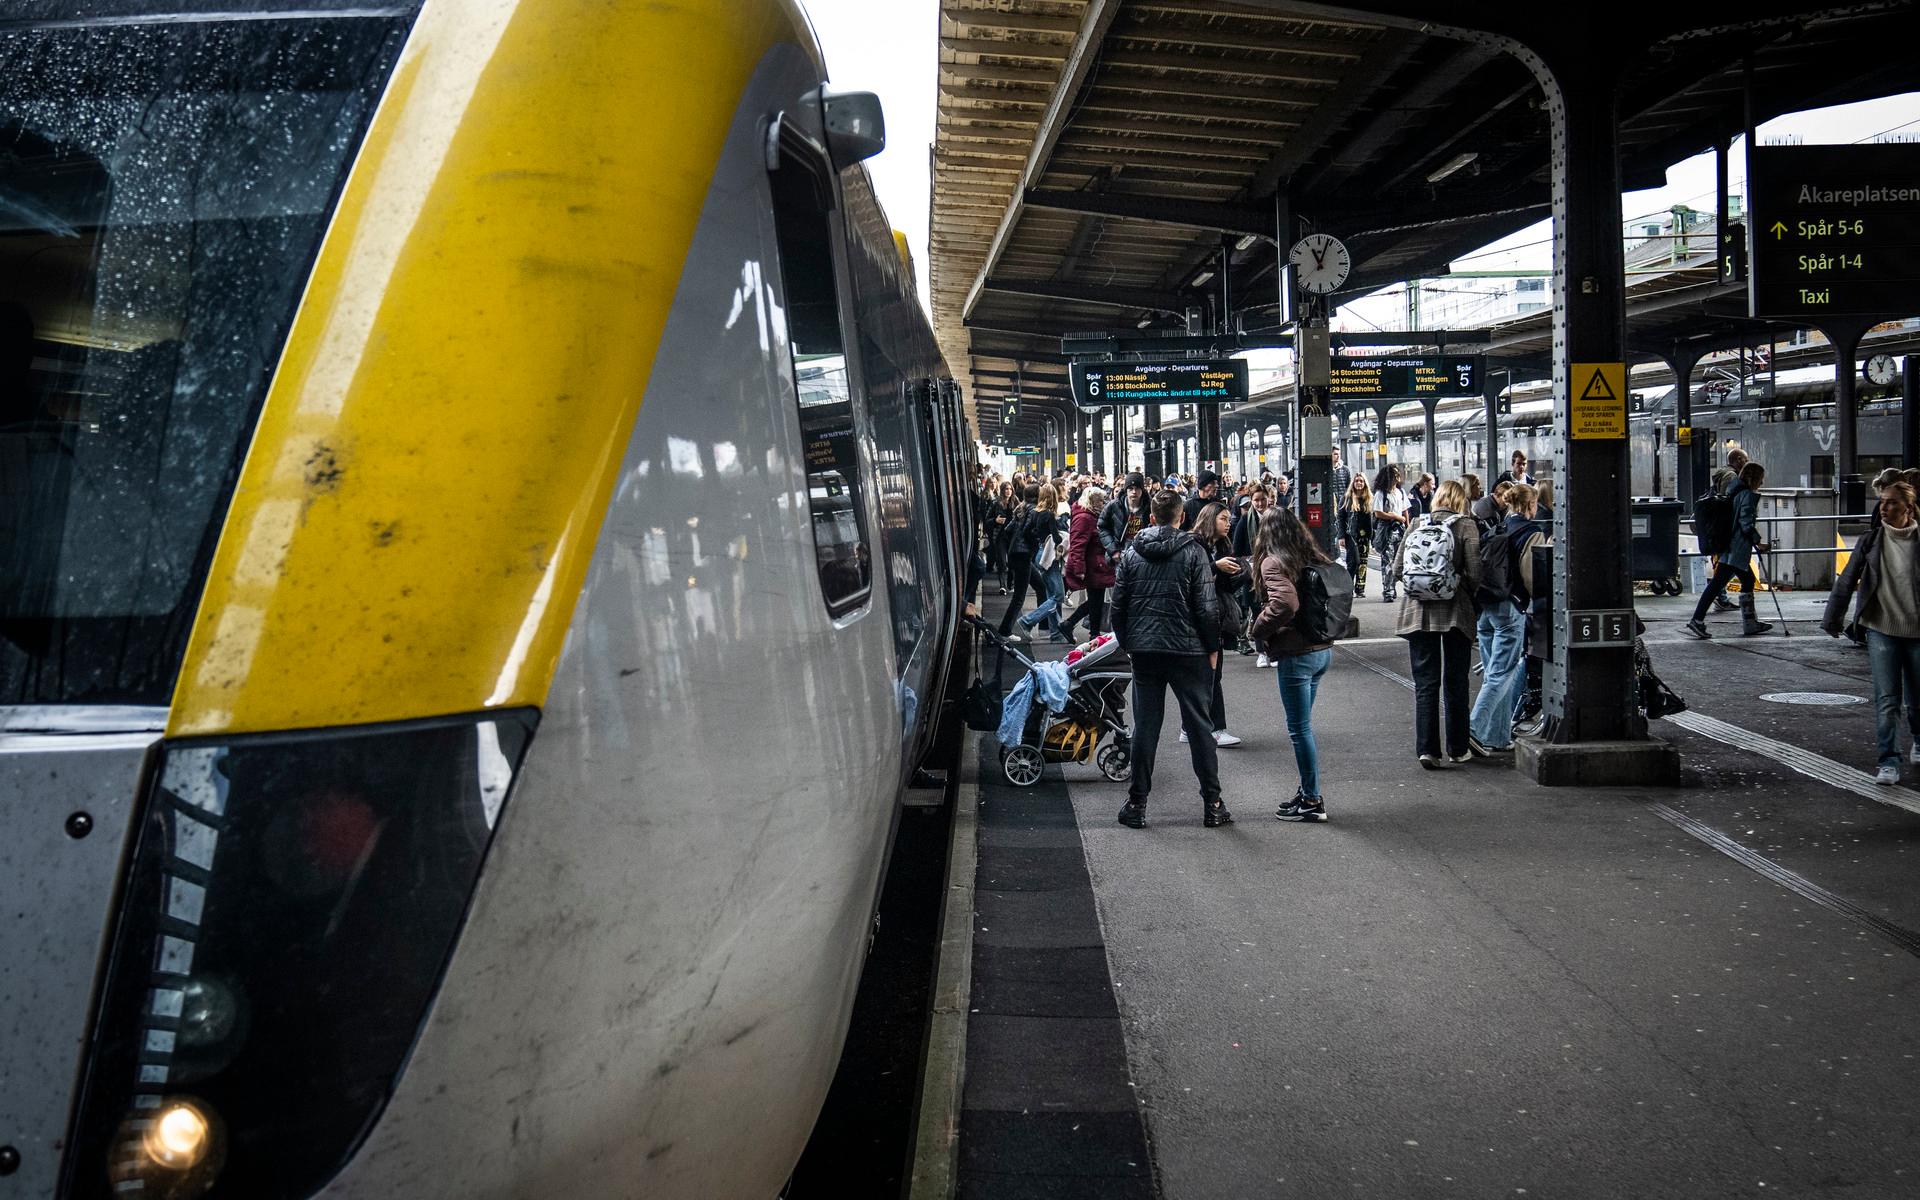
1883	575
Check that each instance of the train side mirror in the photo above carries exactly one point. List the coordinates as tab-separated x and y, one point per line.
856	127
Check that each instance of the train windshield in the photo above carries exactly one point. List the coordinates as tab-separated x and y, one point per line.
163	188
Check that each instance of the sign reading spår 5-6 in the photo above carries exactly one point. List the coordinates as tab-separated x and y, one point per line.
1835	231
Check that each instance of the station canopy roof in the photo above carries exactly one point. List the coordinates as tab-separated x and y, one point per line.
1092	155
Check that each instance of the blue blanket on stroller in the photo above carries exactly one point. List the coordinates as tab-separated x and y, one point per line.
1050	679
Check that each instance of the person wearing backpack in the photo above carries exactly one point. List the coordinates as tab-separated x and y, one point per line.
1503	599
1737	561
1019	559
1439	564
1294	628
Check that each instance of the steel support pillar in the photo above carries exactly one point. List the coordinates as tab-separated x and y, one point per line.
1910	411
1590	690
1682	362
1429	451
1490	395
1154	463
1851	489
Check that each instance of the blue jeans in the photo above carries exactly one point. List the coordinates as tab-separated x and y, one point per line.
1299	683
1503	665
1053	582
1896	670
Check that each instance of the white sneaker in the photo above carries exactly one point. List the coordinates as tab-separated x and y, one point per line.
1264	661
1914	757
1183	735
1222	738
1887	776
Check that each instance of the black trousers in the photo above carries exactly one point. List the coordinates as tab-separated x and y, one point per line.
1191	678
1019	566
1217	701
1093	608
1440	662
1722	575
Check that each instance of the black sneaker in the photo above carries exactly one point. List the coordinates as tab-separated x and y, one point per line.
1134	816
1301	809
1480	749
1698	628
1216	815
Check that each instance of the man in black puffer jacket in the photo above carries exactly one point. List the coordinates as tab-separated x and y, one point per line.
1124	516
1167	621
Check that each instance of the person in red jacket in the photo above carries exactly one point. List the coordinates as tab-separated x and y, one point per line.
1087	563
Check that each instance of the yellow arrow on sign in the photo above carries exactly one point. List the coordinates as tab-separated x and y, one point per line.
1779	230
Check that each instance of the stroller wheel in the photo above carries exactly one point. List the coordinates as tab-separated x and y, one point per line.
1115	762
1022	766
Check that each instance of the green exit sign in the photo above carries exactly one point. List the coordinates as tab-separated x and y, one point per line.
1835	231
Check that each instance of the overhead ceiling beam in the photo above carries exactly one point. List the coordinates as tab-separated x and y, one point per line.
1082	293
1198	64
1226	218
988	18
995	96
1150	104
1044	51
1176	85
999	73
1218	38
1095	20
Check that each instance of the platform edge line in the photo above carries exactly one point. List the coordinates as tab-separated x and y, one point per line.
936	1143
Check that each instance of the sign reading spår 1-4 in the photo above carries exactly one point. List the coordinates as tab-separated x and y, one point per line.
1189	381
1835	229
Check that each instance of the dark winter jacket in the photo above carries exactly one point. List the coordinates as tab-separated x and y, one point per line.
1036	527
1746	527
1195	503
1163	599
1113	524
1019	540
1087	563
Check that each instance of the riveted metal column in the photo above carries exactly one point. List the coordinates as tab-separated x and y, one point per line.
1490	394
1910	411
1590	692
1430	452
1155	463
1846	414
1682	362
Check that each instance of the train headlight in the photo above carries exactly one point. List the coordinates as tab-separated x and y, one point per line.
288	912
179	1138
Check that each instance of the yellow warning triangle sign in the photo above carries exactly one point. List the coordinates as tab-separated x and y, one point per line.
1597	387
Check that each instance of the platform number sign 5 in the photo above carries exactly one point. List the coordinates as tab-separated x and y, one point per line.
1600	627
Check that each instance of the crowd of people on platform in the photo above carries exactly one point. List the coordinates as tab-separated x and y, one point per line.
1192	571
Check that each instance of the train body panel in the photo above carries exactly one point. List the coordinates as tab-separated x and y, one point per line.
553	441
711	790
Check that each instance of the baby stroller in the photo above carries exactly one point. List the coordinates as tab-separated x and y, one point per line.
1091	727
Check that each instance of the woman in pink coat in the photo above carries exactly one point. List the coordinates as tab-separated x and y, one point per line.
1087	563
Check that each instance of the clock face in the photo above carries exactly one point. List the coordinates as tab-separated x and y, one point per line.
1881	370
1321	262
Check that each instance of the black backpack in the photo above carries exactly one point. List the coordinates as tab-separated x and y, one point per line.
1713	522
1326	602
1496	570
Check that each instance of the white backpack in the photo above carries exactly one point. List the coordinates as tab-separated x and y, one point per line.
1427	563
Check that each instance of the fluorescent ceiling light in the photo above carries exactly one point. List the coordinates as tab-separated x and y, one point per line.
1246	243
1202	277
1453	164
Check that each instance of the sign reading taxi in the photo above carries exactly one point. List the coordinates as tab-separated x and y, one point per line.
1835	229
1598	397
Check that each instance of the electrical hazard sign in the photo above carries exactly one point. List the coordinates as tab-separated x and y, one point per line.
1599	400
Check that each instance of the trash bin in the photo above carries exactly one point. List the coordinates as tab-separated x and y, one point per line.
1655	556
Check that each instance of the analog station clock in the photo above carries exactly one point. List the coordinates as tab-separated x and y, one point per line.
1320	262
1881	370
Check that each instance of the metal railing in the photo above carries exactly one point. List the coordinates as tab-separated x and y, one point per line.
1836	518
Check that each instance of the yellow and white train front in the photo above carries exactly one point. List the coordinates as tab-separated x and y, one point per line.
443	753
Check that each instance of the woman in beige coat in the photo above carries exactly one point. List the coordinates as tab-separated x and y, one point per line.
1439	630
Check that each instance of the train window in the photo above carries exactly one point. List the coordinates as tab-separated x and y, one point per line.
163	189
803	212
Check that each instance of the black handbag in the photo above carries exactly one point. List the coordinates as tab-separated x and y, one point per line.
984	699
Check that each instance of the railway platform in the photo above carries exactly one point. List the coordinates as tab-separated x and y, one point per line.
1464	983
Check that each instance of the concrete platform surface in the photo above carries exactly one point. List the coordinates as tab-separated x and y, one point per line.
1469	985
